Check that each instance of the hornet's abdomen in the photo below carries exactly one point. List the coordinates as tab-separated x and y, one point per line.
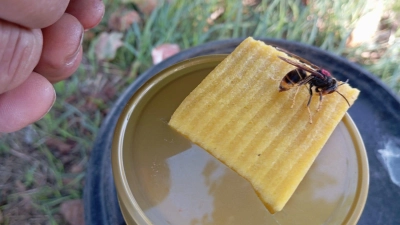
292	79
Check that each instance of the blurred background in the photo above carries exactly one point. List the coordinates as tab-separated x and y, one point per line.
42	167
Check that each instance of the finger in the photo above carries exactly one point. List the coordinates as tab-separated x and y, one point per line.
62	50
32	13
20	50
88	12
26	103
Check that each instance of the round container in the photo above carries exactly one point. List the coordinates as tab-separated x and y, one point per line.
162	178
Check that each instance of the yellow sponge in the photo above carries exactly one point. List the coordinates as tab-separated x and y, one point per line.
239	116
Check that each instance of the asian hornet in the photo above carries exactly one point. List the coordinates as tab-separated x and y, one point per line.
306	73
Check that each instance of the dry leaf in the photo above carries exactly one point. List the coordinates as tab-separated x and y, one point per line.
72	211
164	51
305	2
215	15
62	146
77	168
109	92
251	2
146	6
122	19
107	45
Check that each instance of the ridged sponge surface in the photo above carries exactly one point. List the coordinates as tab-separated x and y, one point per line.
239	116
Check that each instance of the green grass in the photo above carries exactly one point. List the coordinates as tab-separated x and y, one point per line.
51	177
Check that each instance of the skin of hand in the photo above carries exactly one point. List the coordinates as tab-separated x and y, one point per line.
40	44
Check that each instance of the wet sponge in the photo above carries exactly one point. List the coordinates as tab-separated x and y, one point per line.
239	116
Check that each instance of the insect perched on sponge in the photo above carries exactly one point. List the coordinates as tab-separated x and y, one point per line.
319	78
237	115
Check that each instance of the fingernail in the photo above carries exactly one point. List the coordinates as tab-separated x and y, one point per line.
52	104
83	33
71	58
54	98
54	101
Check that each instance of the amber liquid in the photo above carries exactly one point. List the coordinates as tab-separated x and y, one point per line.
177	182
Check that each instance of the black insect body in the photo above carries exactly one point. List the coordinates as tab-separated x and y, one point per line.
319	80
292	79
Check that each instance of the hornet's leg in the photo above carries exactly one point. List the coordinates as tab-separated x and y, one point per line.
294	97
320	101
308	104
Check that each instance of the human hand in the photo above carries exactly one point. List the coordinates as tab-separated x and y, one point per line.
40	43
